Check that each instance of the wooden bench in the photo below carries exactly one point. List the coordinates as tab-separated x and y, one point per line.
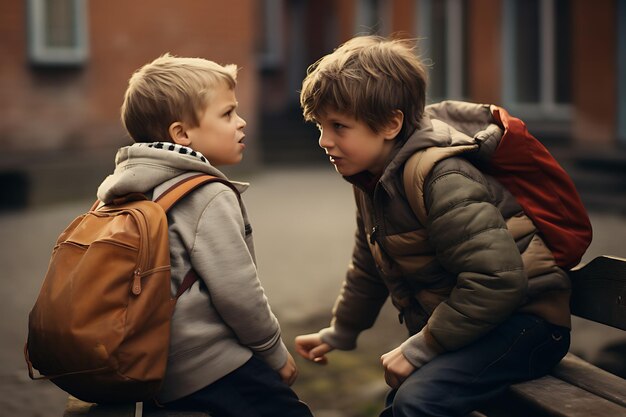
574	389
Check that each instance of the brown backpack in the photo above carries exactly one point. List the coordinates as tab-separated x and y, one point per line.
100	327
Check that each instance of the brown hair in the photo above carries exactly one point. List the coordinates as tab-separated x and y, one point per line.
171	89
369	78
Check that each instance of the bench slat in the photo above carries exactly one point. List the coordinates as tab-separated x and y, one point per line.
554	397
584	375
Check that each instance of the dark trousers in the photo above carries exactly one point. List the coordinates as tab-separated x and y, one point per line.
252	390
453	384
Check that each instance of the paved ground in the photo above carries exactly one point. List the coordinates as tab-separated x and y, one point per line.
303	223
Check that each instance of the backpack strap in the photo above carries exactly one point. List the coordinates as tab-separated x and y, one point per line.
174	194
417	168
188	281
177	191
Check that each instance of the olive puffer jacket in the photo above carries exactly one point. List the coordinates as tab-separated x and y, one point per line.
477	259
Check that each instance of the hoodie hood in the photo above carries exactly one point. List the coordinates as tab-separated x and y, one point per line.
141	167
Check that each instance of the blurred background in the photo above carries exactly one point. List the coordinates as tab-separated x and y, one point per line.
560	65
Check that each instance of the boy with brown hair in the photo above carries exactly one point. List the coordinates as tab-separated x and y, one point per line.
226	353
480	293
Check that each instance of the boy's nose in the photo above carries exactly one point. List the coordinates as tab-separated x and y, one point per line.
242	122
324	141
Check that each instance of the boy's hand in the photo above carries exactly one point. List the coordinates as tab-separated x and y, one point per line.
311	347
397	367
289	372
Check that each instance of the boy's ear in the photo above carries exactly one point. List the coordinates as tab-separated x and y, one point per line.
178	134
394	125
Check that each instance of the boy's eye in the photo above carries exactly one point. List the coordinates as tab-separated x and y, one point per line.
338	126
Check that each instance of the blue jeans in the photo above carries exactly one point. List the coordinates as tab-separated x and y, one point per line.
252	390
455	383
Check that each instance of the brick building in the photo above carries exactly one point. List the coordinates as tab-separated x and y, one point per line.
558	64
66	63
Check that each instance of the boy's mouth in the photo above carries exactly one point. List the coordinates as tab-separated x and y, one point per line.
241	140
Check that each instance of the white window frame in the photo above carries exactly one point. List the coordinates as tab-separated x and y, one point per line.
272	55
621	73
455	53
547	107
372	12
40	53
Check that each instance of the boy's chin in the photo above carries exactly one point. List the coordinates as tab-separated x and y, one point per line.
229	162
344	172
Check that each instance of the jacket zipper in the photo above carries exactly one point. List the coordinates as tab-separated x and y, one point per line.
376	228
374	240
373	235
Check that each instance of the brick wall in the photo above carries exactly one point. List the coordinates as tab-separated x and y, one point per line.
78	108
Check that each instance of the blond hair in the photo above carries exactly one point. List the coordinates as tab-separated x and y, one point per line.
171	89
369	78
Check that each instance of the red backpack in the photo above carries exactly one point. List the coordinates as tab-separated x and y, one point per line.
525	167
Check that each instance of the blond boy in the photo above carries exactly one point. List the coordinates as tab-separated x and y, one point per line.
226	352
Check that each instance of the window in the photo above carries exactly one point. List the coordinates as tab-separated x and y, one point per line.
441	30
621	73
537	48
271	42
57	32
372	17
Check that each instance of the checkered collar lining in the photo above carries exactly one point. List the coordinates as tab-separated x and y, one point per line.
184	150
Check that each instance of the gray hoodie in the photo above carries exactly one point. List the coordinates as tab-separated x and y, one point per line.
225	317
